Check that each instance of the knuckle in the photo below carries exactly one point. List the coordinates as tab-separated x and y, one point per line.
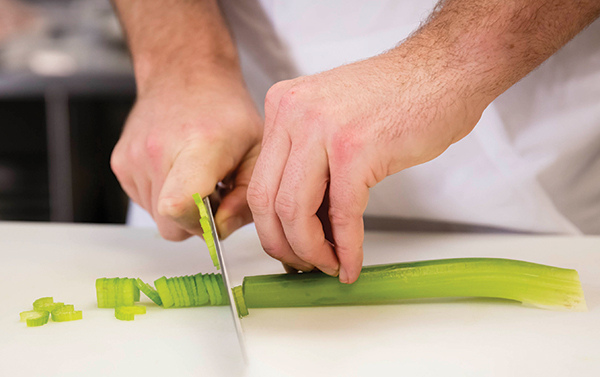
273	94
344	146
171	208
257	196
274	251
290	99
275	91
286	207
135	155
117	163
154	146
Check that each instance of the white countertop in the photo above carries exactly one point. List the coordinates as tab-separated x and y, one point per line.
462	337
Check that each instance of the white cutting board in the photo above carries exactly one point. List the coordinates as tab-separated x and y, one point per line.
434	338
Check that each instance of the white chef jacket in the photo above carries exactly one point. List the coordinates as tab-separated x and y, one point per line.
531	164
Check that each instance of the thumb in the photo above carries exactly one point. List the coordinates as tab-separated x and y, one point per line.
195	170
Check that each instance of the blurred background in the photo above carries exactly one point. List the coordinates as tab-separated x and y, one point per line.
66	87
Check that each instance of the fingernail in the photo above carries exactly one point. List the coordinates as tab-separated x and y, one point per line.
331	271
302	267
230	225
343	276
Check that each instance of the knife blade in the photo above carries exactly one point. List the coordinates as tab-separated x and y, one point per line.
224	272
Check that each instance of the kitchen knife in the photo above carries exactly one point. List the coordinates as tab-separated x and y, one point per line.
211	202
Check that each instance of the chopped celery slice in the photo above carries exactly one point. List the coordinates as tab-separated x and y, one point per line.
203	298
205	224
35	318
118	292
210	289
149	291
44	304
123	316
127	291
101	292
221	286
24	316
115	292
530	283
127	313
206	230
111	297
200	204
66	313
174	293
185	298
194	291
217	289
136	291
191	290
164	292
240	303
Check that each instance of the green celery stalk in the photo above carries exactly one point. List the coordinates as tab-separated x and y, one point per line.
532	284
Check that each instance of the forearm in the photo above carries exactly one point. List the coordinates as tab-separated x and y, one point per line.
482	47
177	40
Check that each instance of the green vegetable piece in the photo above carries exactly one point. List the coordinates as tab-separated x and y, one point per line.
205	224
221	286
115	292
240	303
200	203
194	292
126	294
212	249
66	313
118	292
202	293
175	293
44	304
191	289
164	293
181	289
136	291
111	293
35	318
68	307
210	289
532	284
24	316
123	316
101	292
217	289
127	313
149	291
207	231
184	286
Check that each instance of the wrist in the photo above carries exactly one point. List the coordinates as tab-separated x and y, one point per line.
154	72
179	41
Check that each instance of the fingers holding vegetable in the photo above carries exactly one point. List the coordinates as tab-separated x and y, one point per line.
345	130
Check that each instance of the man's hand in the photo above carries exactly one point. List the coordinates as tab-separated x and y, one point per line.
346	129
179	141
193	124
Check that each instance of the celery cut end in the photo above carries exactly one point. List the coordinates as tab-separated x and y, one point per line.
240	303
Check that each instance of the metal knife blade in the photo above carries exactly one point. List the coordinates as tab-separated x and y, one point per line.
226	281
